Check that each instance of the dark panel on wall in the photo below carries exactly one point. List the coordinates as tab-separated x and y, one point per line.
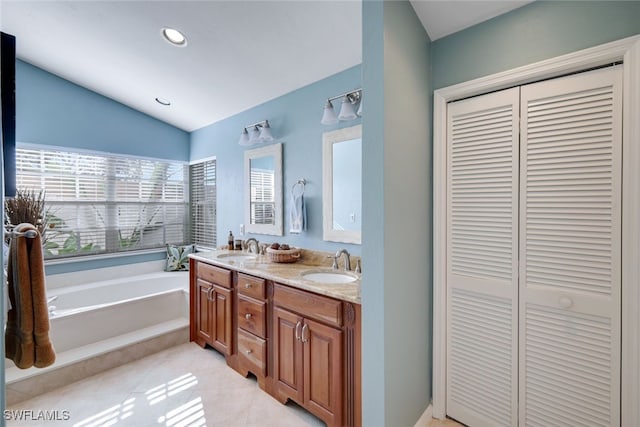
8	95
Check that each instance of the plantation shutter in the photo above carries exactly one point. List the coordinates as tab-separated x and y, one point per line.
103	203
482	282
263	202
570	238
202	177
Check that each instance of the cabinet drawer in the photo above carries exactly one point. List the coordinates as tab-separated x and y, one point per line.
251	315
310	305
251	286
254	350
213	274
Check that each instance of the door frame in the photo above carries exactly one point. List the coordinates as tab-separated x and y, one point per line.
627	50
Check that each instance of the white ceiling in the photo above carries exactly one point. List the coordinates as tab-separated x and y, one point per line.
239	53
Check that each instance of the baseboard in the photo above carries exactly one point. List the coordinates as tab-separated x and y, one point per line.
426	417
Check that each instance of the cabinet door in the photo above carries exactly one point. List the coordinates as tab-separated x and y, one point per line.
288	366
570	250
482	259
222	319
323	371
204	309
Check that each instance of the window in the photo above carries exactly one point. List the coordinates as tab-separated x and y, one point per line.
263	202
103	203
202	177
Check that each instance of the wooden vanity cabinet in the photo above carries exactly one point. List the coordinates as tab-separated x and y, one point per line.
308	352
251	327
211	300
300	345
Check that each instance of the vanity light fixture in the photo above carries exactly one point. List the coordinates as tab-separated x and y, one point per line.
347	110
174	37
256	133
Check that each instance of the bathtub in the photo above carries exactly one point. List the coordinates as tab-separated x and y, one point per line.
90	320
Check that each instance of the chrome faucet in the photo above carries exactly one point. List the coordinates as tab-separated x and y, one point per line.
347	261
252	242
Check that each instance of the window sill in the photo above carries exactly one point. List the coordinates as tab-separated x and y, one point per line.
79	259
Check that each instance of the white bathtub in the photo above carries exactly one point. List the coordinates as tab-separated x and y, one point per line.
93	319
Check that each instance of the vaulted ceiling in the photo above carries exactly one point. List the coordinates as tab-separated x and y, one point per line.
239	53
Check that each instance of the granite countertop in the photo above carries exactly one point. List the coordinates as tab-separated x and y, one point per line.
288	274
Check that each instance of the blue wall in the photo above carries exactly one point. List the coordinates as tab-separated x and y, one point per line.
396	286
295	121
53	111
538	31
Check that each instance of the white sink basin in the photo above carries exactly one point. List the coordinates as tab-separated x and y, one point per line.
236	257
329	277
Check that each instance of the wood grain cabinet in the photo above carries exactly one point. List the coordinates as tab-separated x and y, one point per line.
211	307
252	327
308	352
299	345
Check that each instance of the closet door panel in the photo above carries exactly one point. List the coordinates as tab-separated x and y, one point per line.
482	289
570	240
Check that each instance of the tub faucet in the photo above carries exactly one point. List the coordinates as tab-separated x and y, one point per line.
252	242
347	261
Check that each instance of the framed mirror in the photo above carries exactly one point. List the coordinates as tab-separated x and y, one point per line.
342	185
263	190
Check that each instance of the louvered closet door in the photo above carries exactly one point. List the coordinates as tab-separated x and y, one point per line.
570	250
482	231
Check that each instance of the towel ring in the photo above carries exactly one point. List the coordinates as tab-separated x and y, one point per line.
301	182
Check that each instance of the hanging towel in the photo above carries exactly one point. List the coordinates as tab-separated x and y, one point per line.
297	211
27	340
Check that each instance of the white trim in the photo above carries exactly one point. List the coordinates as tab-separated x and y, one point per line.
628	50
274	150
426	417
328	139
630	386
99	257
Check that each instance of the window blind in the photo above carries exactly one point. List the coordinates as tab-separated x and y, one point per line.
202	177
263	202
103	203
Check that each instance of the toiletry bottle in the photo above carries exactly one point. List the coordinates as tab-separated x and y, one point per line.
230	241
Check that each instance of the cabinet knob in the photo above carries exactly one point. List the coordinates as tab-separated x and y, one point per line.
248	351
247	316
565	302
247	285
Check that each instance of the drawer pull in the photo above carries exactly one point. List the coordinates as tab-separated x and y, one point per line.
247	316
247	285
248	351
305	333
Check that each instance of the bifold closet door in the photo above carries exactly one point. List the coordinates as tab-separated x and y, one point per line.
482	283
570	237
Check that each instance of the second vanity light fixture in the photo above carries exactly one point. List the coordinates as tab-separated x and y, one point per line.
256	133
347	110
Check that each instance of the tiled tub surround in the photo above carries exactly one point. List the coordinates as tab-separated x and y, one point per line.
299	338
96	326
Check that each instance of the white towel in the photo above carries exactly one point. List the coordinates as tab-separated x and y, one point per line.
297	213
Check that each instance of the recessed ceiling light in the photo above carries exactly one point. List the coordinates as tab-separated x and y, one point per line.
174	36
162	101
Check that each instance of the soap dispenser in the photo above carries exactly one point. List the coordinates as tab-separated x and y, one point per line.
230	241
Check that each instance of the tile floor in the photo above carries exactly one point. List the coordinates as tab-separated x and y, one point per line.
182	386
444	423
